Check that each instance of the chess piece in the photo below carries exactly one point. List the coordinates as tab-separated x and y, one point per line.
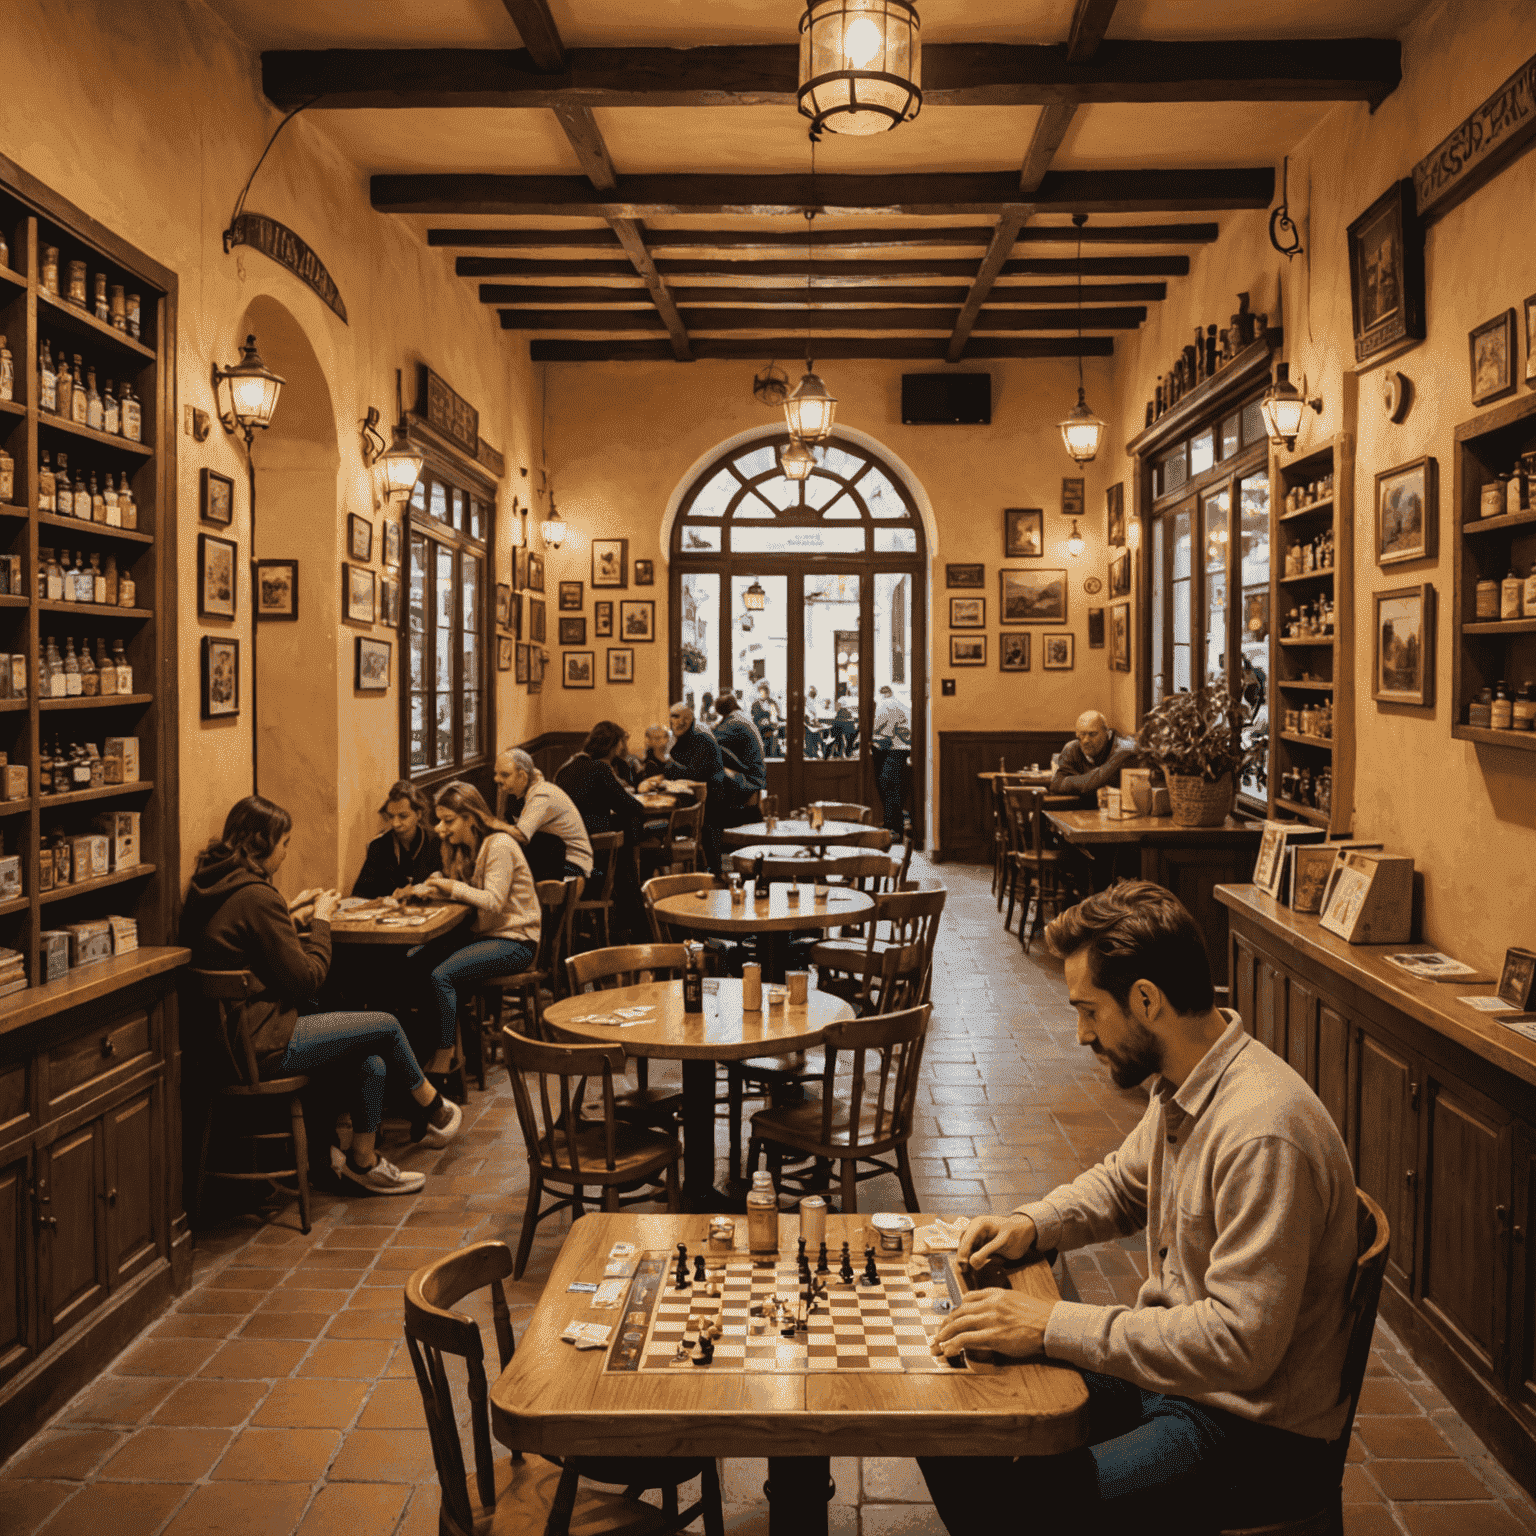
871	1274
845	1270
698	1268
705	1352
822	1267
682	1266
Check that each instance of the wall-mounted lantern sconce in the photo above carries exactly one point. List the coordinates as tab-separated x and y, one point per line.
396	468
246	395
1284	406
554	526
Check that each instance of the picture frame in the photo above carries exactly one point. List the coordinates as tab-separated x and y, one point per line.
1033	596
1310	866
515	615
1386	276
1023	533
1114	515
504	649
216	498
520	661
275	588
371	666
637	621
389	601
503	605
965	576
570	596
535	669
1530	340
1517	978
1095	629
1272	867
535	572
519	570
645	573
1013	651
621	664
1491	351
577	669
220	693
359	594
536	619
1120	574
1120	638
1073	495
1058	653
967	650
602	620
967	613
359	536
392	543
217	581
1403	646
1408	512
610	564
572	631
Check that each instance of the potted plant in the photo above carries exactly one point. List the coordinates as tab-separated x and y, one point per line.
1197	740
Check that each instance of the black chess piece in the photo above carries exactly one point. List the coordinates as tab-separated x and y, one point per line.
706	1348
871	1274
845	1270
682	1266
822	1267
698	1268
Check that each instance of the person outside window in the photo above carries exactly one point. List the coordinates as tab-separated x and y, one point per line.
812	723
891	741
765	716
548	825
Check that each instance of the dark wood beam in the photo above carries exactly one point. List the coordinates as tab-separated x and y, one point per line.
1125	318
537	295
1090	21
828	348
1050	129
826	273
991	266
540	35
954	74
842	239
630	233
923	194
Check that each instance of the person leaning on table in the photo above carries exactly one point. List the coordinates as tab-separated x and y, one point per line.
1094	759
1213	1399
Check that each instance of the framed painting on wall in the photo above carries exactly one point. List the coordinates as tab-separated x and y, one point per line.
216	592
1386	276
520	658
645	573
1023	533
504	648
1403	646
570	596
610	563
360	536
1407	512
965	575
1095	629
503	605
359	594
1493	348
1114	511
536	619
1073	495
1033	596
573	631
1120	638
389	601
372	668
578	672
217	503
391	543
535	572
1013	652
220	677
1058	652
637	621
602	619
621	664
967	650
1530	340
967	613
520	570
277	589
1120	574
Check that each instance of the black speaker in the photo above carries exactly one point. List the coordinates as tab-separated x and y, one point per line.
954	398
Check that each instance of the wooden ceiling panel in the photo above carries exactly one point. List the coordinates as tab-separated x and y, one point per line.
1165	134
347	24
478	139
1176	20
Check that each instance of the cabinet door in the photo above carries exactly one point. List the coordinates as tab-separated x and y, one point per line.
1386	1142
1333	1040
1465	1272
134	1186
1269	1007
1243	963
73	1267
1522	1287
1301	1030
18	1325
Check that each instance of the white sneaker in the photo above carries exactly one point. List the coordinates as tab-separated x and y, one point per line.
441	1135
385	1179
338	1161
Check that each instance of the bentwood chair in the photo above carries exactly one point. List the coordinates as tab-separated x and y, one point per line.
659	887
1000	844
1033	869
519	1496
900	918
558	900
595	906
842	810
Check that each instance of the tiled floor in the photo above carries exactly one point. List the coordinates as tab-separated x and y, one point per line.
277	1396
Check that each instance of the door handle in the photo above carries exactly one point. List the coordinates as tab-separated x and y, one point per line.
1408	1177
108	1046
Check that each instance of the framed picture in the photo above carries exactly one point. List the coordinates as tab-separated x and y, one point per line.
372	665
1095	629
573	631
610	563
217	503
389	601
1057	652
277	589
392	544
503	605
216	576
1516	979
1023	533
359	594
520	657
965	575
1034	597
967	613
1403	670
515	614
221	677
570	596
637	621
1120	574
1530	340
1311	866
536	619
1270	864
1492	345
504	648
360	536
1407	512
1386	275
602	620
1120	638
621	664
519	570
1114	512
1073	493
535	668
578	671
1013	651
535	572
645	573
967	650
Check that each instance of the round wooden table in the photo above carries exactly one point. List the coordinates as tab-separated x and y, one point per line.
723	1032
828	859
788	830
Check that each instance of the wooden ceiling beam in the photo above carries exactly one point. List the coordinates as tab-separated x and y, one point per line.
537	295
540	35
827	273
1123	318
823	348
1090	21
843	239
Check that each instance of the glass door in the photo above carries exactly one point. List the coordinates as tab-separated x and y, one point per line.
834	695
757	666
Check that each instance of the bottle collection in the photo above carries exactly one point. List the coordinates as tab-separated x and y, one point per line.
82	578
73	676
1512	598
1311	621
1206	356
1311	720
1510	492
7	371
1303	787
1316	555
66	493
110	304
1504	709
66	388
84	765
1310	493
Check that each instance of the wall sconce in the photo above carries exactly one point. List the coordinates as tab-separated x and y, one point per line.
396	469
554	526
1074	541
1133	534
519	533
246	395
1284	406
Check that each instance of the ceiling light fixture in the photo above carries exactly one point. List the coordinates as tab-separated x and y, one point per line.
861	65
1082	430
796	461
1284	407
754	599
554	526
810	411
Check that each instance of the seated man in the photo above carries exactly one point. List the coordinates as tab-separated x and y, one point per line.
1213	1399
549	826
654	762
1093	762
742	756
696	756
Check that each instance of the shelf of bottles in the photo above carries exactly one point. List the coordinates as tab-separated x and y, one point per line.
82	411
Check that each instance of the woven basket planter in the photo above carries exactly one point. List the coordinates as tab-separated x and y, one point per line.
1198	803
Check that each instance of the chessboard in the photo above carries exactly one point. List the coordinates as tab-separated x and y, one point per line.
888	1326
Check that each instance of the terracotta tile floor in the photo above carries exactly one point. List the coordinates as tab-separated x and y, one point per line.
277	1397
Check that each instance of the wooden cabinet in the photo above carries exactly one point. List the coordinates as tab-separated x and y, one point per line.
1386	1141
1521	1380
18	1330
1334	1053
73	1262
132	1152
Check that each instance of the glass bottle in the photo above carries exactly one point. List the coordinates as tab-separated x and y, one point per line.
71	669
62	864
127	590
46	487
124	668
50	270
58	688
109	576
5	250
98	581
90	679
98	502
7	477
47	381
132	423
126	504
135	310
1528	601
1480	710
101	296
1503	709
7	372
1523	713
93	403
71	578
79	766
64	488
77	396
111	514
111	414
106	671
66	388
44	756
55	580
1509	596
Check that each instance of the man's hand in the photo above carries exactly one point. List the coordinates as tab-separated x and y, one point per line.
1005	1322
999	1237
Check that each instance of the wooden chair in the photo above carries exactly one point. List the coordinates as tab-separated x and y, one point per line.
567	1150
877	838
874	1118
866	872
900	918
680	847
659	887
842	810
596	902
558	900
239	1081
520	1496
1000	844
1373	1240
1031	864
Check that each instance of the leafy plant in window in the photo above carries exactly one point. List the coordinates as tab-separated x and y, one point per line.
1197	740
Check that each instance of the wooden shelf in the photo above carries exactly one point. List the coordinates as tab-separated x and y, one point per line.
91	435
1521	741
87	983
82	525
95	610
11	275
1320	575
1500	627
7	601
15	807
105	792
52	311
1324	743
1309	683
1310	640
12	408
16	904
110	701
1307	511
85	887
7	510
1503	520
1306	812
6	705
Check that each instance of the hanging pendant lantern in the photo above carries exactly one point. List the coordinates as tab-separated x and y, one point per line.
1075	543
754	599
1082	431
554	526
861	65
809	412
796	461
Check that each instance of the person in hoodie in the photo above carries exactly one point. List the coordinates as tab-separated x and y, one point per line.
407	853
235	920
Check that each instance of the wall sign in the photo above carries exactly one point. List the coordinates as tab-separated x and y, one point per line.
1480	147
449	412
287	250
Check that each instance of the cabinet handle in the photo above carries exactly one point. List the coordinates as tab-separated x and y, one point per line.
110	1197
1408	1177
48	1223
108	1046
1413	1095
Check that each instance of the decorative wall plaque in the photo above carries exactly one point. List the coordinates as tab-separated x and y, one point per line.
1480	147
448	411
287	250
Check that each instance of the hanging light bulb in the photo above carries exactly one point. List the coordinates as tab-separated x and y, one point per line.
1074	541
796	461
861	42
861	65
810	410
554	526
1082	431
754	599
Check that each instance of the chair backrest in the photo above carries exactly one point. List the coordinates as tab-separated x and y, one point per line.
887	1053
906	854
605	848
558	899
1373	1241
659	887
542	1076
869	872
684	823
873	837
625	965
892	980
433	1329
912	917
1025	819
843	810
233	1055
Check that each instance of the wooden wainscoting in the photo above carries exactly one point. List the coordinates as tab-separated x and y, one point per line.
965	802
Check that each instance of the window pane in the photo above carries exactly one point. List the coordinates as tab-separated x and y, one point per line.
894	598
478	519
1216	513
1173	472
753	506
470	634
444	730
1253	424
842	463
699	633
1229	436
819	490
845	509
419	758
895	541
701	539
780	492
716	496
1159	607
1202	452
776	540
832	663
880	496
1179	596
758	462
419	496
459	499
760	654
439	502
1253	509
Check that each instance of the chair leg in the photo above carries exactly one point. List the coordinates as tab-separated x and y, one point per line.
1013	892
563	1504
754	1151
202	1164
674	1194
611	1198
850	1187
904	1178
709	1497
530	1220
300	1158
733	1112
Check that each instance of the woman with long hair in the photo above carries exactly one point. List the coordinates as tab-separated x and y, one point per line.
235	920
406	852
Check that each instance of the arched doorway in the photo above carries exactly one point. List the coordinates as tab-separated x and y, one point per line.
806	598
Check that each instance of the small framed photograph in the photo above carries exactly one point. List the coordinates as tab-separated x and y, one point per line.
372	665
1515	981
535	668
1013	651
610	563
967	650
359	594
965	575
520	656
570	596
216	576
1114	508
1033	596
573	631
503	605
645	573
1057	652
519	570
504	648
1530	340
1492	346
277	589
967	613
621	664
1023	533
1120	574
392	544
221	677
579	668
1407	512
1095	629
536	619
217	503
1073	495
1270	864
1404	646
637	621
1120	638
1386	275
1311	865
360	536
389	601
515	615
602	620
535	572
